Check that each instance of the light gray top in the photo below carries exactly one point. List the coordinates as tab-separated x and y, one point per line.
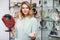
25	26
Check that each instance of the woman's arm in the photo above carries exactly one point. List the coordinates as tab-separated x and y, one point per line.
34	29
12	32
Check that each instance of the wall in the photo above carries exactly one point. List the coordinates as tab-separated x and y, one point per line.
4	7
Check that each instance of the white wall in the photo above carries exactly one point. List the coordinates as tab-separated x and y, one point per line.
4	7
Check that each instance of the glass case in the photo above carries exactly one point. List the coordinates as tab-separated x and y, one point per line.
50	11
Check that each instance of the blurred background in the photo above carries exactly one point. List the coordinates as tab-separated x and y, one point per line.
47	13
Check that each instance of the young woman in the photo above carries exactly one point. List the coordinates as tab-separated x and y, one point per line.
26	24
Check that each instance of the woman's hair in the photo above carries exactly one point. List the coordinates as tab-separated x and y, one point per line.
30	14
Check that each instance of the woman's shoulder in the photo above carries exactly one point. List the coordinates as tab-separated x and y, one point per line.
34	19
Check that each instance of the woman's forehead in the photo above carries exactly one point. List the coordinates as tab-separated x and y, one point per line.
24	5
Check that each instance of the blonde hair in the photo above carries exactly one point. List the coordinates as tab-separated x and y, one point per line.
30	14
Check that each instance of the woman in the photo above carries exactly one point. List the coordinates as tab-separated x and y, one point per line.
26	24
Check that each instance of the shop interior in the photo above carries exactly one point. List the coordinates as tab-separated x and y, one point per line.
47	13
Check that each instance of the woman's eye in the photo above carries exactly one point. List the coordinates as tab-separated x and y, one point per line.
25	8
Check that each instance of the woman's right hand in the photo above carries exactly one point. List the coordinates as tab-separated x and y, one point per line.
31	35
12	32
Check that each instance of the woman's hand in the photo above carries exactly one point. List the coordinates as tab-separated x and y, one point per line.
12	32
32	35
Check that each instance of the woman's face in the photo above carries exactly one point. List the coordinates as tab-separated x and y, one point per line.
25	9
